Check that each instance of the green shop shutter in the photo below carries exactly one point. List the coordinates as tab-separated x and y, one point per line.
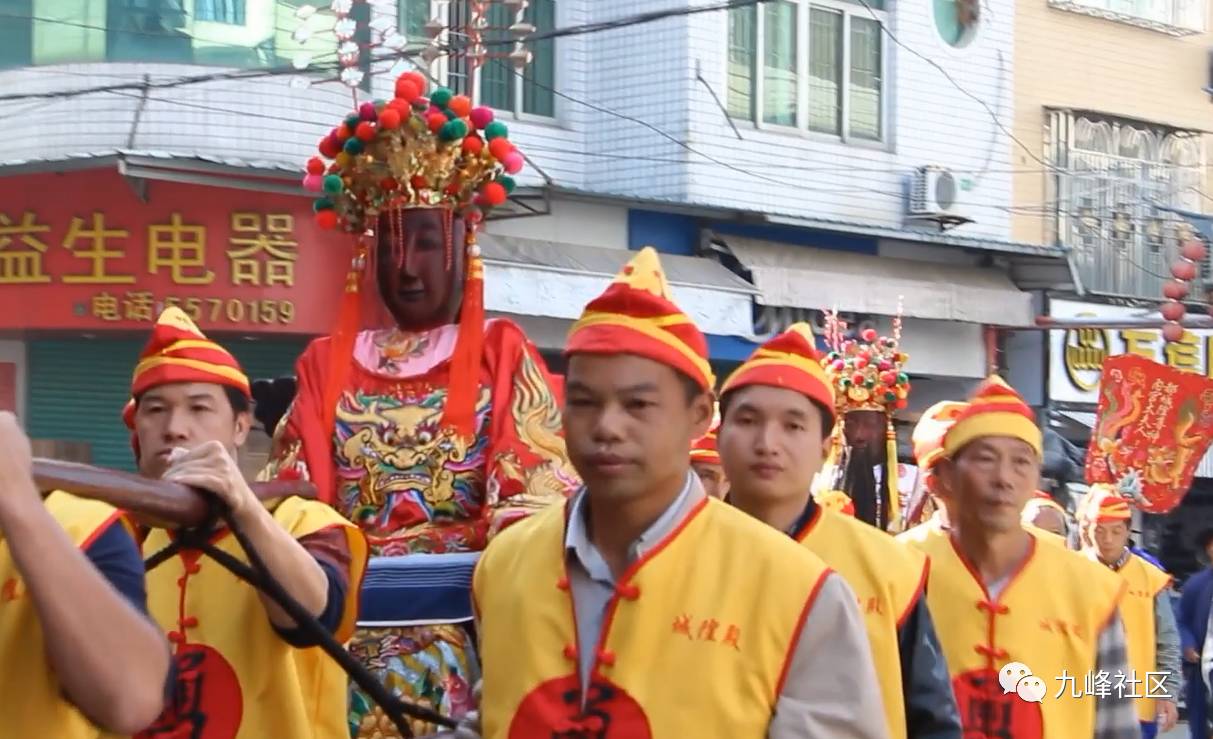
78	387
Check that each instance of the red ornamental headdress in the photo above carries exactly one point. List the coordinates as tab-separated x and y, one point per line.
414	151
1153	425
868	375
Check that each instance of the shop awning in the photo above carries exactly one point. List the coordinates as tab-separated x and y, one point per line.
802	277
1204	469
531	277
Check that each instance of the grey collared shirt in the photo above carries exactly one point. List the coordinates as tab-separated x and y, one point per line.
590	578
830	689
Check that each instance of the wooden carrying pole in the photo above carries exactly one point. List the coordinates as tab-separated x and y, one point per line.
155	501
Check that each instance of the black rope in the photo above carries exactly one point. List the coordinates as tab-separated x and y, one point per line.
259	576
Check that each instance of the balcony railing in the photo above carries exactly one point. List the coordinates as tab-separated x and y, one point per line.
1175	17
1110	184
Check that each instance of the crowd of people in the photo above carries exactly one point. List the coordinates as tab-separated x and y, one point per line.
634	550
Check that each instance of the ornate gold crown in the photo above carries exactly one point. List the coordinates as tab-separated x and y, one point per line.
410	152
867	371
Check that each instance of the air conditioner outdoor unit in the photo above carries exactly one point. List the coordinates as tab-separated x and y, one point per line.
933	192
935	196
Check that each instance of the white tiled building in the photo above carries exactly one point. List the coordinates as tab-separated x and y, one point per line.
777	139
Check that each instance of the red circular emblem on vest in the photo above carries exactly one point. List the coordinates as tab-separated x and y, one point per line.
554	710
988	713
206	703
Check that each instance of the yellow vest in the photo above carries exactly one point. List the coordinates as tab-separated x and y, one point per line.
887	578
33	705
919	534
1047	617
234	671
1144	582
695	641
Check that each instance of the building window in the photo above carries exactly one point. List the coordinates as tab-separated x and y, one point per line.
956	20
498	83
1111	181
230	12
1175	17
837	88
414	14
779	63
163	31
743	41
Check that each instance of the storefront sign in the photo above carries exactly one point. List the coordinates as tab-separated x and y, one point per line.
81	251
1077	355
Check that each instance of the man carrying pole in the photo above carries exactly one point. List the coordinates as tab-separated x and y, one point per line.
80	655
246	669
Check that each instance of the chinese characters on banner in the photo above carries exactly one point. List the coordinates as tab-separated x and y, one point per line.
82	251
1153	425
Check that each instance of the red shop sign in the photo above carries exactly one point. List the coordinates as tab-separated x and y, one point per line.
81	251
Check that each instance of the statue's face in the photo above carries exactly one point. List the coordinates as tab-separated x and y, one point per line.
866	429
420	266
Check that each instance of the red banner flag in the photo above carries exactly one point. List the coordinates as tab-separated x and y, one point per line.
1153	426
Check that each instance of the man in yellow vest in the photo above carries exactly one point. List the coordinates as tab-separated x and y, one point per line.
778	410
705	461
648	609
246	670
1026	627
1046	514
1149	620
79	656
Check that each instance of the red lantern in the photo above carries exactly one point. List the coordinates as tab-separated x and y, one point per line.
1194	250
1175	290
1172	332
1172	310
1183	270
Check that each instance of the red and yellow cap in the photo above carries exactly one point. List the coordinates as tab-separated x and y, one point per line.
704	449
635	315
995	409
788	360
179	352
1105	505
1040	499
930	430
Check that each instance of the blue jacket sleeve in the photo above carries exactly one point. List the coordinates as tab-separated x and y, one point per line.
931	711
1187	614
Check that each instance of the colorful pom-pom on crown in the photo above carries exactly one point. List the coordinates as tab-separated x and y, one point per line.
411	152
867	370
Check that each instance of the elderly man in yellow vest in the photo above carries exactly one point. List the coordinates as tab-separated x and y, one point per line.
1047	516
647	608
1025	626
778	412
246	669
79	655
1149	621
